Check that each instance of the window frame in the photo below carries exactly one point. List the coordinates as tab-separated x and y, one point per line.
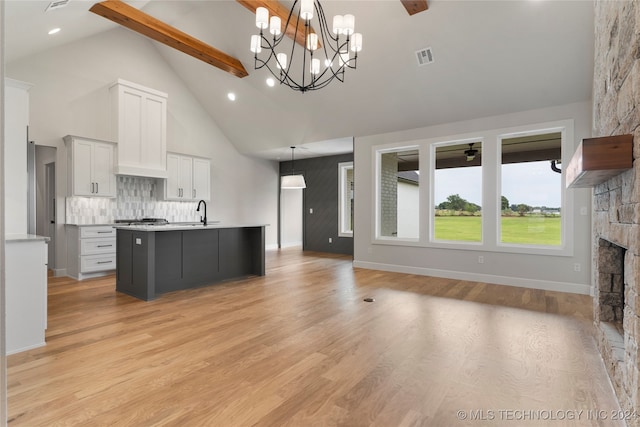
432	183
343	168
566	196
377	234
491	190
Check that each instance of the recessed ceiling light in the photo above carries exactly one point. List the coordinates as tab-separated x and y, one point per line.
271	82
231	96
54	31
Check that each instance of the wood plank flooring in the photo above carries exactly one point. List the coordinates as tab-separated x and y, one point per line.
300	347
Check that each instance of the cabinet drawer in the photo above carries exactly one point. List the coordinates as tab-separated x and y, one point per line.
97	231
92	263
97	246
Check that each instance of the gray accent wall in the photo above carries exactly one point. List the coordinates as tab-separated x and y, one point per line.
321	195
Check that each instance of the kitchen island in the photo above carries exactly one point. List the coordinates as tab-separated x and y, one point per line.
155	259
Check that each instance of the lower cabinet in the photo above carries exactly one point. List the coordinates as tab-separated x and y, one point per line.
91	250
155	262
25	294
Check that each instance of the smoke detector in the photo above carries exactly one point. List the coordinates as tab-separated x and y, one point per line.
56	4
424	56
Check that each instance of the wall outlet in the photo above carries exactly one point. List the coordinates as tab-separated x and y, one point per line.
480	259
310	210
330	240
576	267
138	241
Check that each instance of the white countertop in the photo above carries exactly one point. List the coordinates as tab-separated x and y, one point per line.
9	238
185	226
92	225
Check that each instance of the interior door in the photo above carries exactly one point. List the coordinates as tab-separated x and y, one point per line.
50	212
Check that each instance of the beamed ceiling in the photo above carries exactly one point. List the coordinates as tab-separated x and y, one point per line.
490	58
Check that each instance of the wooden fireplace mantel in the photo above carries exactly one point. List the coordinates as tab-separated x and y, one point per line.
598	159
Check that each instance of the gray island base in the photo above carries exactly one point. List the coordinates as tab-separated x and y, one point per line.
152	260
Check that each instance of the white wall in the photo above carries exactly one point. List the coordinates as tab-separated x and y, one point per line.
70	96
542	271
15	152
3	359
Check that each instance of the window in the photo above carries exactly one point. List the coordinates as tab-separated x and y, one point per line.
398	193
345	202
457	213
531	185
497	190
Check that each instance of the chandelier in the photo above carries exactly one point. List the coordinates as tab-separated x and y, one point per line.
327	52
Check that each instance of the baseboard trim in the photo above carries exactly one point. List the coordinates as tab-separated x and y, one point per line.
291	244
574	288
29	347
83	276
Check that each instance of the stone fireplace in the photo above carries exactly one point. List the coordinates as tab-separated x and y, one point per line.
616	202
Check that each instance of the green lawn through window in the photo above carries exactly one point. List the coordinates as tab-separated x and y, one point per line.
526	230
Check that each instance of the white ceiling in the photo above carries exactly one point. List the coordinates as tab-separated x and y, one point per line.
491	57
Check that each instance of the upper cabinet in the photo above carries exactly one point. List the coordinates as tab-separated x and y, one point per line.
139	125
189	178
201	179
90	167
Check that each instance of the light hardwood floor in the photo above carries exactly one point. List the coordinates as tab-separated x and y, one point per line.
300	347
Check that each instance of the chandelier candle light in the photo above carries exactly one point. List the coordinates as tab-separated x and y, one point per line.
325	56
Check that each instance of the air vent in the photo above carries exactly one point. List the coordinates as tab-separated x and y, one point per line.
424	56
56	4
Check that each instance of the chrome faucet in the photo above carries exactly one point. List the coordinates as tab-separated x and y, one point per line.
203	219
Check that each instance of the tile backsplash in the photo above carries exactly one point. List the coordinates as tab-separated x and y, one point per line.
137	197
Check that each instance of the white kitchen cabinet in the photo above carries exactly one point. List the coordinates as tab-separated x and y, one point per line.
25	292
91	250
188	178
91	167
201	179
139	125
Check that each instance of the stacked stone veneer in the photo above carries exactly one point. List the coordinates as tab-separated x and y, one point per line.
616	111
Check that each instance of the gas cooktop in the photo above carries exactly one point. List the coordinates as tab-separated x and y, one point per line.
142	221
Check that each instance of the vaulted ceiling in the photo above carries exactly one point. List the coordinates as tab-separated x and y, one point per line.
490	58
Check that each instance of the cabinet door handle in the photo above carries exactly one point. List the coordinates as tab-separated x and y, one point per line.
104	232
104	246
97	191
104	262
92	184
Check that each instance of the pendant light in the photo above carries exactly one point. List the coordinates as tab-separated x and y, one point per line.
293	181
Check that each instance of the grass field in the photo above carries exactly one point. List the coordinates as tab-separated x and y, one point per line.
531	230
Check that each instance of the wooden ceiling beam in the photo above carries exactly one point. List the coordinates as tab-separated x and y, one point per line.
415	6
275	8
138	21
